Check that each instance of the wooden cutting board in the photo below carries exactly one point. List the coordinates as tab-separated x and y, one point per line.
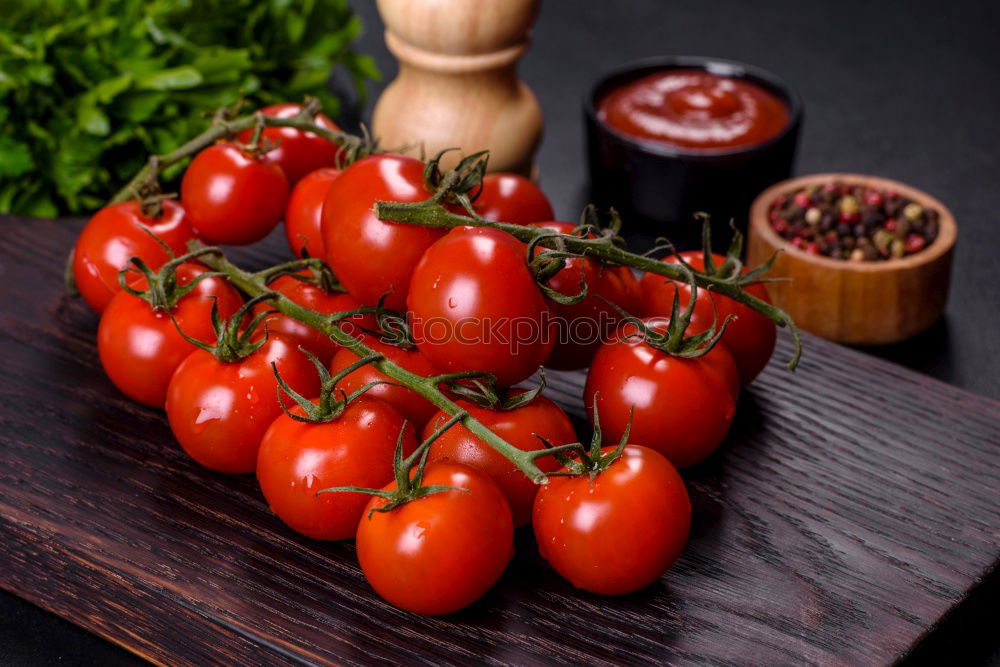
852	507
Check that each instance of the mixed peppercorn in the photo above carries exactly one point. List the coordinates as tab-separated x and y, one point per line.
853	222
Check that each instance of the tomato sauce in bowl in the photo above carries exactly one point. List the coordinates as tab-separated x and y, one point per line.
694	110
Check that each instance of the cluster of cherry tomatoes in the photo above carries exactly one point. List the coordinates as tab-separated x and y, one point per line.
611	520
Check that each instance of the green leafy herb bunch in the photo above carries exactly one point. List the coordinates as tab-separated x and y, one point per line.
89	88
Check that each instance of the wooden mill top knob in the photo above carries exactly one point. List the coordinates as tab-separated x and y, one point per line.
457	83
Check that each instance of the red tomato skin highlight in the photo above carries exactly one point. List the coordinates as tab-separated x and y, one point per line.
683	407
750	337
297	459
371	257
316	299
140	348
474	306
519	427
512	198
219	412
231	197
114	235
295	151
620	532
442	552
409	403
304	215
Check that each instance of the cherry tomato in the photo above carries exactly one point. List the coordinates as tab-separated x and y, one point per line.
304	217
519	427
117	233
232	197
140	348
297	459
220	411
316	299
442	552
683	407
583	326
512	198
750	336
371	257
476	307
297	152
618	532
410	404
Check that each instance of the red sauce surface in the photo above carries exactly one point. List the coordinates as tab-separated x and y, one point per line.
694	109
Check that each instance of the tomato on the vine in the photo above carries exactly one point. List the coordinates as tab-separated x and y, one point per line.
409	403
683	407
512	198
370	257
750	336
295	151
583	326
297	459
621	530
304	216
117	233
233	196
219	411
140	347
439	553
475	306
317	299
521	427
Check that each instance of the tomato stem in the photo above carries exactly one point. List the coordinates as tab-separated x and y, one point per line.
603	248
354	146
254	284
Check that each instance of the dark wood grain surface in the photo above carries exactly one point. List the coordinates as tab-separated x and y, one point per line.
853	506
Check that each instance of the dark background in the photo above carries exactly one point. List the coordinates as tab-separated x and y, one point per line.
908	91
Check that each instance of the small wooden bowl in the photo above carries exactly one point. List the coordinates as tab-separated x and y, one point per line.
860	303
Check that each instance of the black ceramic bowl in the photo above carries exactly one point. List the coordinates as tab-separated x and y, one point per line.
658	188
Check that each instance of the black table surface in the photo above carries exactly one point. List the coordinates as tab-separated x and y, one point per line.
908	91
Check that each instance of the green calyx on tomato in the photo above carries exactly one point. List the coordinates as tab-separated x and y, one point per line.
162	290
317	273
328	407
592	461
674	340
544	264
481	391
233	341
393	328
454	186
408	487
731	267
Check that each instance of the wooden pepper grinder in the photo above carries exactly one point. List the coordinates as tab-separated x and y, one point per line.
457	83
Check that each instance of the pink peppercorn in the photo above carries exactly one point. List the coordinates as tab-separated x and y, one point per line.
873	198
915	243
